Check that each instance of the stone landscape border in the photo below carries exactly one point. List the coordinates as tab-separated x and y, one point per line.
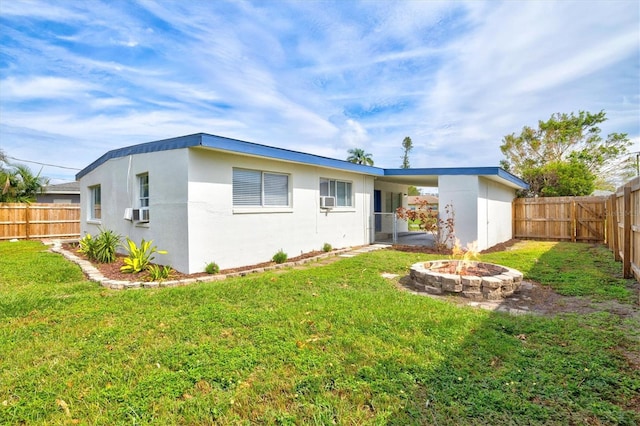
94	274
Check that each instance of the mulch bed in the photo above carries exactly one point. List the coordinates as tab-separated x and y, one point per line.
112	270
430	250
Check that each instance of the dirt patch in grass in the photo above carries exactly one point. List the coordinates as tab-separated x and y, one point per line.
430	250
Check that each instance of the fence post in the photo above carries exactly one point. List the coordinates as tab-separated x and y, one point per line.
27	217
626	254
615	228
574	220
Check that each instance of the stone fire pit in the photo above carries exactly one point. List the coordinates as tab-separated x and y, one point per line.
473	280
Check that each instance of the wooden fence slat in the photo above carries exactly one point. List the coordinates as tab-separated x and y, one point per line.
560	218
626	231
39	220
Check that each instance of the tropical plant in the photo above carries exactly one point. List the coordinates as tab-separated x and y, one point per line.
87	246
19	185
407	145
280	257
139	257
358	156
159	273
102	248
212	268
107	243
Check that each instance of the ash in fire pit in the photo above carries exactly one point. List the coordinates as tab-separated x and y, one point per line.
474	280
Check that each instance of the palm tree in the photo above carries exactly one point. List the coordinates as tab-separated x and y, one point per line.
20	185
358	156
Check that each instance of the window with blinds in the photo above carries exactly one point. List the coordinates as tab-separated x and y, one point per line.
255	188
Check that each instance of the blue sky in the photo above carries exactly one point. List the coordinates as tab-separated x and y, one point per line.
80	78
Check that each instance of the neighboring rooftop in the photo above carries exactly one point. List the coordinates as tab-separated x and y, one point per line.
63	188
415	199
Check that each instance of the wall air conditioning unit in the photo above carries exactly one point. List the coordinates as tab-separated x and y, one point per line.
327	202
141	214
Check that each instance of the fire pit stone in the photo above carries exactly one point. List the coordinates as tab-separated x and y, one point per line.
473	280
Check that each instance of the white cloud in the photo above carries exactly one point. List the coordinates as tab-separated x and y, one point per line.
42	87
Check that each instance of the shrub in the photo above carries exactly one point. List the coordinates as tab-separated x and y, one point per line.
139	258
102	248
106	245
280	256
212	268
443	230
158	273
87	246
327	247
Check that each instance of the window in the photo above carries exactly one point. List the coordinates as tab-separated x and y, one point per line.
143	185
254	188
339	189
95	210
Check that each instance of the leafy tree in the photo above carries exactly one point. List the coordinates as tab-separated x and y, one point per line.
567	139
559	179
358	156
407	145
412	190
19	185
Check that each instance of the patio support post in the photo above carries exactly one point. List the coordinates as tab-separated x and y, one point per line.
395	229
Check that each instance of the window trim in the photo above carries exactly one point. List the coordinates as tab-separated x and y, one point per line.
333	192
143	202
93	190
263	206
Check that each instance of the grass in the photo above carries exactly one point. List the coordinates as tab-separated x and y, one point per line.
570	269
331	344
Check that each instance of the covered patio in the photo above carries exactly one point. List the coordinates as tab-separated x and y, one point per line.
480	198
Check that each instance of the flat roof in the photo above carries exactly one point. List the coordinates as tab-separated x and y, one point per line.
417	177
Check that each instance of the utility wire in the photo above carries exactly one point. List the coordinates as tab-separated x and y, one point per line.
43	164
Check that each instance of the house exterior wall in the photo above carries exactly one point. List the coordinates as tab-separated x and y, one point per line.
118	179
494	213
482	209
232	237
461	192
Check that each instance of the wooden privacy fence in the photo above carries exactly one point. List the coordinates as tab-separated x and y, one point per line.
560	218
613	220
39	220
624	227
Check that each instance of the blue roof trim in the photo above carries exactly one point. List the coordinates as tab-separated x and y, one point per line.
250	148
452	171
231	145
162	145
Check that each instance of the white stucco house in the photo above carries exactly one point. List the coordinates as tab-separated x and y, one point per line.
207	198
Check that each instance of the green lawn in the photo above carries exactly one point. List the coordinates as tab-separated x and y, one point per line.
335	344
